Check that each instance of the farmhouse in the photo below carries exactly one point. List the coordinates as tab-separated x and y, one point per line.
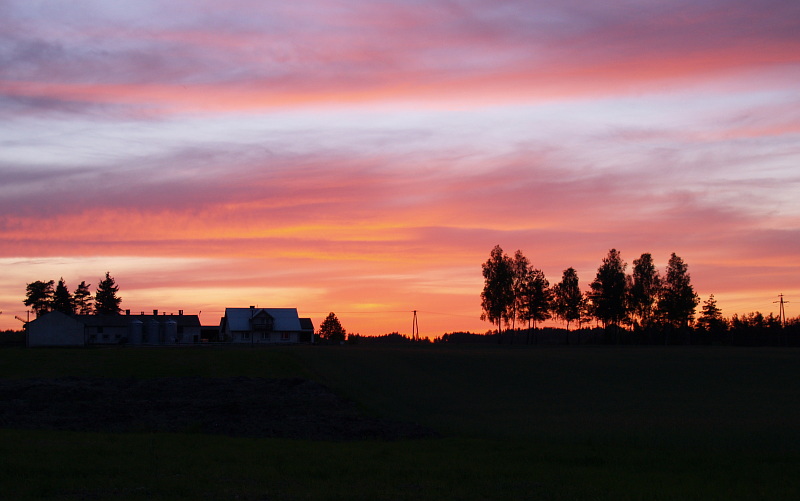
265	326
59	329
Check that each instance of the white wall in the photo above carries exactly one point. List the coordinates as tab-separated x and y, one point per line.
55	329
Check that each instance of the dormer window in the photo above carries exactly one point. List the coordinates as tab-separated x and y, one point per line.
262	321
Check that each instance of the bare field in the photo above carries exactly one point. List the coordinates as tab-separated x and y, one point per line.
473	422
240	407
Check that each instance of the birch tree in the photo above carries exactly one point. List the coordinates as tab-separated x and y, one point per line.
497	298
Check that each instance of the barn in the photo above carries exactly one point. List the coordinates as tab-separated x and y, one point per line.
59	329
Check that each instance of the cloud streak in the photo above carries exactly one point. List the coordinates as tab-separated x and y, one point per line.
366	157
211	59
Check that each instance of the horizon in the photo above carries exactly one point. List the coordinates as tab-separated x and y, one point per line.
364	159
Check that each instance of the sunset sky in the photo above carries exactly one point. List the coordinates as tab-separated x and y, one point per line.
364	157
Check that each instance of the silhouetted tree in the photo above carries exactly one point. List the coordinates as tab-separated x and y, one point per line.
587	316
519	273
711	319
752	320
567	297
537	297
83	299
62	299
497	298
39	296
609	290
678	300
331	329
106	301
643	290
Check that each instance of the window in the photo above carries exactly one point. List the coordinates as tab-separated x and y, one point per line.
262	322
245	335
284	336
264	336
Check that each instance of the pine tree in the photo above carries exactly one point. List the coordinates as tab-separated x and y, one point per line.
39	296
331	330
678	300
711	317
106	301
83	299
62	299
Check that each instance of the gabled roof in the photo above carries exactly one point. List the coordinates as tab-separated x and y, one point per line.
306	324
286	319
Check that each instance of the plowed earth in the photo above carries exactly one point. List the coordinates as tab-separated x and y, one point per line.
244	407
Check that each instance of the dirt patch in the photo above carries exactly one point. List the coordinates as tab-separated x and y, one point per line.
246	407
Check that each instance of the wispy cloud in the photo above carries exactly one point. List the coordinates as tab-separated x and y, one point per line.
262	55
365	157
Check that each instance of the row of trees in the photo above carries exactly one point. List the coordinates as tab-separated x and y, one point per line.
43	297
516	291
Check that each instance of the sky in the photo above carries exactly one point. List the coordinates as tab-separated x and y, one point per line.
363	158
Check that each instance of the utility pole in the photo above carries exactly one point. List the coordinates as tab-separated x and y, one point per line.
781	311
415	328
24	321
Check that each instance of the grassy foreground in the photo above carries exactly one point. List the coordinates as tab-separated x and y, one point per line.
516	423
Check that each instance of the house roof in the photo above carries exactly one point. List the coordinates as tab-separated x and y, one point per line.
285	319
125	320
182	320
306	324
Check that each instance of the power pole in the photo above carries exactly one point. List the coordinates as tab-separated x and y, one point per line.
24	321
781	311
415	328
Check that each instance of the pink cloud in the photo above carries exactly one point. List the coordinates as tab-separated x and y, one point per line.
218	60
376	213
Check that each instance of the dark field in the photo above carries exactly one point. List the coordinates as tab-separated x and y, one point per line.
237	407
496	422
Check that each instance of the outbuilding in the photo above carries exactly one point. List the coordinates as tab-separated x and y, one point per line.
59	329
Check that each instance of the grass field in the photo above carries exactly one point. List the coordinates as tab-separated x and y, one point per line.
515	423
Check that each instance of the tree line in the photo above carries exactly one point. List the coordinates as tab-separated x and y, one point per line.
514	291
43	297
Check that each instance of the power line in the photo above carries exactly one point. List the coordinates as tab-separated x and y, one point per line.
358	312
379	312
448	314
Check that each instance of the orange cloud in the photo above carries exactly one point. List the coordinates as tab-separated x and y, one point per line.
364	159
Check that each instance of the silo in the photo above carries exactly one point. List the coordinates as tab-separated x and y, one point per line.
135	331
152	328
170	332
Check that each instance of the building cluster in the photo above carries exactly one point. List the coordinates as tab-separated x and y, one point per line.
239	326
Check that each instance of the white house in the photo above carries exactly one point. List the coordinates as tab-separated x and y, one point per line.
58	329
265	326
